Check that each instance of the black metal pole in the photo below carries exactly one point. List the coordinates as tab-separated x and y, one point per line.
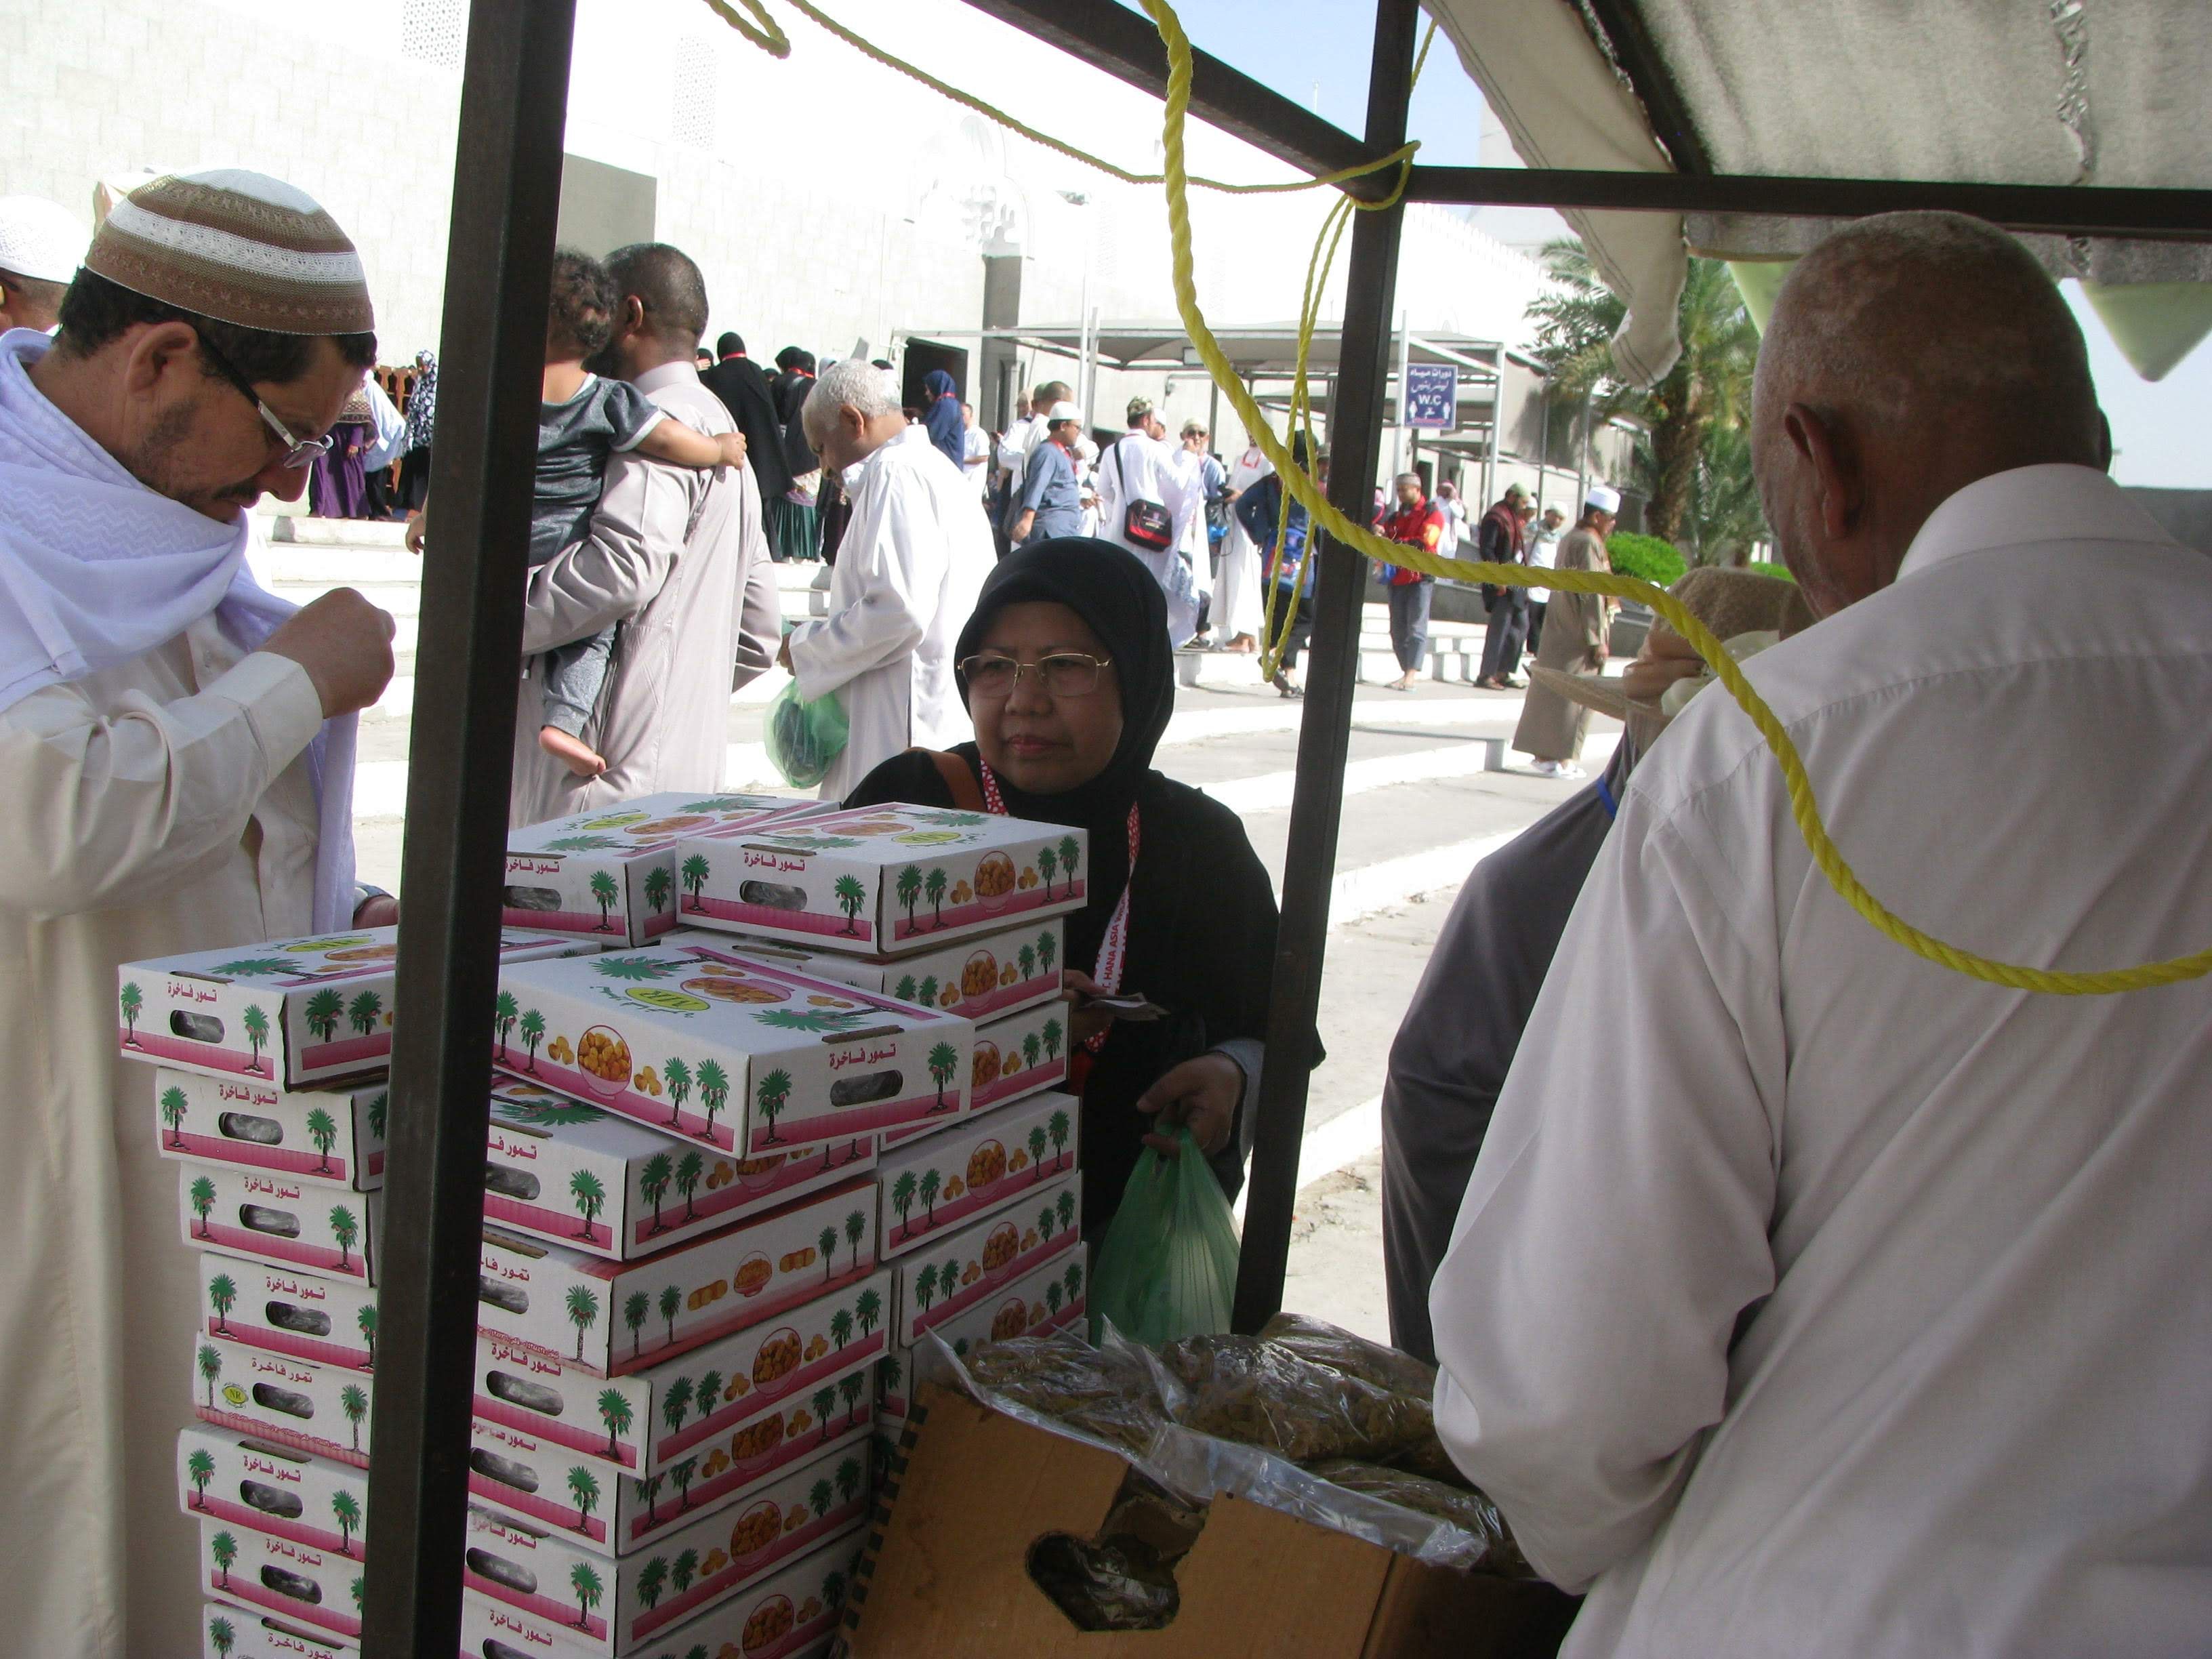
506	187
1355	442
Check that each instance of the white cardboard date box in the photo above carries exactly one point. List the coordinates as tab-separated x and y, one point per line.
976	1168
324	1137
618	1317
717	1399
232	1632
611	1606
885	880
307	1316
581	1176
962	1270
1049	1297
290	1011
612	874
978	977
279	1220
739	1056
251	1482
296	1582
321	1410
1018	1055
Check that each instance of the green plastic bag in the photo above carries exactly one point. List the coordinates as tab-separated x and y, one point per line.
803	738
1168	1268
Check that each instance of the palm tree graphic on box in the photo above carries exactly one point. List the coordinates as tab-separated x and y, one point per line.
770	1098
345	1228
1049	862
325	1009
902	1196
223	1296
672	1303
931	1181
173	1105
851	895
925	1286
824	1402
828	1243
345	1509
714	1092
652	1579
222	1637
869	1306
590	1195
657	882
652	1183
856	1228
677	1075
635	1311
504	1012
604	892
365	1317
223	1550
363	1011
1070	851
944	1061
323	1130
199	1469
695	871
210	1364
533	1033
676	1405
133	1002
1047	948
584	1579
909	891
583	1308
689	1169
584	1494
201	1192
256	1021
934	886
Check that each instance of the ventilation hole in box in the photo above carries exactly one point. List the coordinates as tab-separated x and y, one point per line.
772	895
859	1091
515	1578
308	1321
260	1219
272	1500
511	1183
242	1126
501	1650
296	1585
521	1391
195	1027
505	1470
511	1297
533	898
289	1401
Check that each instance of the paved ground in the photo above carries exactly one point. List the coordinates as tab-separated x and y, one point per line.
1419	809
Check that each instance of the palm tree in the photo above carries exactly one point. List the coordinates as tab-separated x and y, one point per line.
676	1405
714	1092
771	1097
930	1183
683	1475
1045	1224
345	1227
851	895
202	1197
1049	862
223	1550
1066	1208
689	1169
1054	1296
695	871
504	1012
583	1308
533	1033
590	1194
353	1401
678	1076
617	1412
907	990
672	1303
850	1386
199	1469
1025	959
827	1242
134	1004
869	1307
849	1477
323	1130
652	1181
1070	851
925	1286
903	1191
934	886
365	1317
346	1509
1047	946
927	996
841	1326
819	1496
710	1386
944	1061
363	1011
1031	1047
893	1372
173	1112
856	1228
652	1578
824	1402
222	1637
685	1569
909	891
635	1310
378	1109
649	1489
584	1494
833	1590
585	1581
223	1296
657	881
1036	1147
325	1009
604	893
1073	1280
1059	1125
257	1033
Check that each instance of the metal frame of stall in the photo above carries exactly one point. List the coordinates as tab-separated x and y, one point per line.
505	194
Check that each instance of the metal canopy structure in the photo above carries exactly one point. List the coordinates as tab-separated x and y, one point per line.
513	99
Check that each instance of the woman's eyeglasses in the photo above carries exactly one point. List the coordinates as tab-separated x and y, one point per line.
1064	674
298	451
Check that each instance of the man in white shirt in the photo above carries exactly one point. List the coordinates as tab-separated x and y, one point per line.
1543	555
975	461
1139	470
1837	1303
913	559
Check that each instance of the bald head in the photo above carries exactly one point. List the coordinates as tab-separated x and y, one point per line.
1908	355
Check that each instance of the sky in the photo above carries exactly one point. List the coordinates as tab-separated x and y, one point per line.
1317	52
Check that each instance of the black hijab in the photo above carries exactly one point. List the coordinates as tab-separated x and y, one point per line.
1121	601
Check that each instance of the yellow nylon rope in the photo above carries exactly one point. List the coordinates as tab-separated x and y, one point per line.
1301	486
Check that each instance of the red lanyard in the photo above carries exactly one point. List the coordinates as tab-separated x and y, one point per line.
1113	950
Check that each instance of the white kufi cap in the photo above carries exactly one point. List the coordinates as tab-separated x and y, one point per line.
1603	497
40	239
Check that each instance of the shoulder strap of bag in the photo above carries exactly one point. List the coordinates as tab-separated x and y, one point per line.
967	793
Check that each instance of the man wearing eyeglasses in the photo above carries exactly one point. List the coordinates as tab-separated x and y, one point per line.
176	758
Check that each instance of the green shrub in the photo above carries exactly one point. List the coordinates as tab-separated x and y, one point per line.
1657	560
1764	568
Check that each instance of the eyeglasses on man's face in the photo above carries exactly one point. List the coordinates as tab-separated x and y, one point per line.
1063	674
298	451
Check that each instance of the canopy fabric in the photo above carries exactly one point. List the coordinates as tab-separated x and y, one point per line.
2087	92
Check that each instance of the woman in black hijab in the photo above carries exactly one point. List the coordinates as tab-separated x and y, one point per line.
1067	738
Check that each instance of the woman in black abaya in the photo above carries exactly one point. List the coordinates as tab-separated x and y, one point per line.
1065	670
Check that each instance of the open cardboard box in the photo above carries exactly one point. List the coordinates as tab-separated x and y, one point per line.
612	874
616	1317
307	1316
608	1606
288	1011
606	1186
740	1406
979	977
233	1633
322	1137
734	1054
279	1220
1257	1584
884	879
976	1168
321	1410
251	1482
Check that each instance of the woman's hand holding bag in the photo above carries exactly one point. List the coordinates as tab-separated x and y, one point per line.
1168	1268
1199	1097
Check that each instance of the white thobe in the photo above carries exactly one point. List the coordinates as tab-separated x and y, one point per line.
152	808
1831	1302
913	559
1237	607
1190	528
1137	467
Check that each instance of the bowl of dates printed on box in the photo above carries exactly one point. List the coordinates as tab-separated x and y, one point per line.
297	1583
319	1137
884	879
976	1168
330	1320
612	874
577	1175
279	1220
322	1410
287	1012
736	1055
249	1482
232	1632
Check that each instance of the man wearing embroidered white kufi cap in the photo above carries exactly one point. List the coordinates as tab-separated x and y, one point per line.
40	243
176	760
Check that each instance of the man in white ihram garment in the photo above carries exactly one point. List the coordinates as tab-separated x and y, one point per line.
1139	466
1838	1304
176	769
913	559
1237	609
